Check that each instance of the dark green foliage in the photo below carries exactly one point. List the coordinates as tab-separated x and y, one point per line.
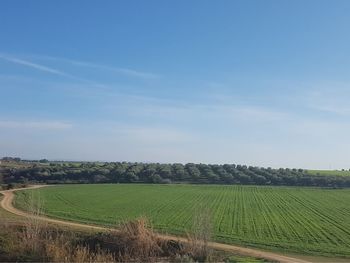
123	172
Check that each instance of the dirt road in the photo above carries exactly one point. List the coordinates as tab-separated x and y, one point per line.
6	204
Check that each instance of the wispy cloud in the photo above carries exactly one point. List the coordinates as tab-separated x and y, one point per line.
48	69
37	125
341	110
125	71
189	111
33	65
328	97
120	70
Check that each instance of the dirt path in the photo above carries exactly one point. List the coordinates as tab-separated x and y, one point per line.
6	204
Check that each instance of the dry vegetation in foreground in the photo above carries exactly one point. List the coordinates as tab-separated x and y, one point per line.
36	241
134	241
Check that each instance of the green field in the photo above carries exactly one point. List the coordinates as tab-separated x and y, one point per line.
329	172
303	220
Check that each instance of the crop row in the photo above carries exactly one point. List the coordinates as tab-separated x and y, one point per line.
309	220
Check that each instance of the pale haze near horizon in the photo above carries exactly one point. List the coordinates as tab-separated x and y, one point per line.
262	83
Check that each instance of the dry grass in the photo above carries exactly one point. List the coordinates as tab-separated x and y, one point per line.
46	245
135	241
60	250
34	240
34	228
198	240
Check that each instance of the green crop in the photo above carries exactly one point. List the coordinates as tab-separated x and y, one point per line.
304	220
329	172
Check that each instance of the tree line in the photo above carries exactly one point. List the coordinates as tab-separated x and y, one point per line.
126	172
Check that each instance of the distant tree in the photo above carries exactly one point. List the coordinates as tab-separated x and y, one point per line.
149	171
155	178
165	171
193	171
119	173
99	178
178	171
131	177
243	178
13	159
213	177
10	186
123	172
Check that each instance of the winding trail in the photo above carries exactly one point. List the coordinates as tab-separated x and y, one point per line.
6	203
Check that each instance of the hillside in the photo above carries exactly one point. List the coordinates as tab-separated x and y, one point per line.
126	172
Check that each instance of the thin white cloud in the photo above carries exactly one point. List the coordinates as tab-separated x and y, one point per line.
124	71
135	73
335	109
250	113
36	125
328	97
33	65
165	108
47	69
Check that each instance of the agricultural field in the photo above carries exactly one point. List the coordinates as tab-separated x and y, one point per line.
310	221
329	172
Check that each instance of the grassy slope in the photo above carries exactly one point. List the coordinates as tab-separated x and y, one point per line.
8	217
304	220
329	172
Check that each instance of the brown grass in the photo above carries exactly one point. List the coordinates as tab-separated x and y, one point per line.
198	240
48	244
135	241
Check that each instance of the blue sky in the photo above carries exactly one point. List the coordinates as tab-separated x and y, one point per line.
253	82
